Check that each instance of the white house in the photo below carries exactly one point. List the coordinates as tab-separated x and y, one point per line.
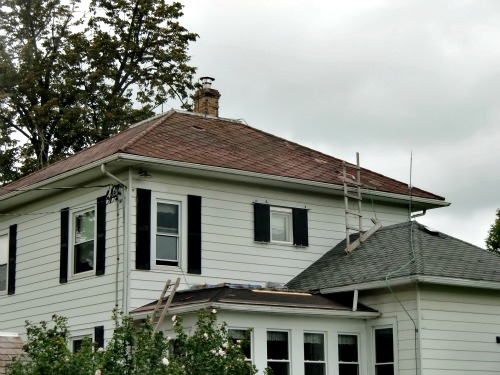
214	201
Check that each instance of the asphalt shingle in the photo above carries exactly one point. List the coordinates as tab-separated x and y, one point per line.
387	250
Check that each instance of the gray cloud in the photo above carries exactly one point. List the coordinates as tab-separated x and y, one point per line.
385	78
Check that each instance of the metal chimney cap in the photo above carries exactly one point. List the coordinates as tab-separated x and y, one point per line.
207	82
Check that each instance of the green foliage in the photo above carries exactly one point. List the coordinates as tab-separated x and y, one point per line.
493	239
70	78
134	350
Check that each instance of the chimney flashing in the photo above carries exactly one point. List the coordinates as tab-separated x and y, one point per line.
206	99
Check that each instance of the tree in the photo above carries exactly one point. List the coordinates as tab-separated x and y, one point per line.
209	350
493	239
69	79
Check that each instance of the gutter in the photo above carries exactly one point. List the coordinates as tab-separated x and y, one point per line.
263	309
412	280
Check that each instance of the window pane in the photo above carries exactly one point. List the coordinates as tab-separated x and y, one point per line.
242	337
314	369
84	227
348	369
166	248
314	347
279	368
384	351
77	345
280	226
384	369
4	252
348	348
277	345
167	218
84	257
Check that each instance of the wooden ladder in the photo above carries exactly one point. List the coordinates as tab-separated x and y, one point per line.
350	182
157	318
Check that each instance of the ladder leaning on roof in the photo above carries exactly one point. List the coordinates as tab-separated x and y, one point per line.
156	318
352	182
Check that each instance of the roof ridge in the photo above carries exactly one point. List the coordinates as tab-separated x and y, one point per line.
160	119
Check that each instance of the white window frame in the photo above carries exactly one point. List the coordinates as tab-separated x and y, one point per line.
72	240
357	347
289	342
394	348
286	212
5	234
181	201
325	355
72	340
244	330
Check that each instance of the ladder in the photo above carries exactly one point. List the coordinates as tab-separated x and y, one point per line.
157	317
351	183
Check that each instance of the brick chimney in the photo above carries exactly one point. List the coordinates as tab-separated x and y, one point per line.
206	99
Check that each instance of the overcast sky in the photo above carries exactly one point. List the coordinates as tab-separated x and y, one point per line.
385	78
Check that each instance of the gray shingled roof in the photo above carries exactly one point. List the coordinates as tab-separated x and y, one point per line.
436	255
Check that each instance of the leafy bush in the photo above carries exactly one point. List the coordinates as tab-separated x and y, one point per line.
134	350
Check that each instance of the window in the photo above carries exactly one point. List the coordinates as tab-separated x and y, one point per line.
77	342
243	338
167	233
348	355
84	229
384	351
278	352
280	224
314	354
4	260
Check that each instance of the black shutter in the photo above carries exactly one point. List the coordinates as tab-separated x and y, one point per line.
99	336
300	231
194	234
143	230
63	265
262	223
12	259
101	236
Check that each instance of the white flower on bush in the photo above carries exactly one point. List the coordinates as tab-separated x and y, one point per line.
100	350
213	351
169	338
221	352
165	361
214	311
225	345
97	372
205	335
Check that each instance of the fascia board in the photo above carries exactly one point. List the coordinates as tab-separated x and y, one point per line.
137	159
247	308
415	279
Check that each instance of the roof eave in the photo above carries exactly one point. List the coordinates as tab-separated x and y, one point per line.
266	309
439	280
419	202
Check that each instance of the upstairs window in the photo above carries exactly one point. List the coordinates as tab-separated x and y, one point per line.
314	354
384	351
4	261
167	233
84	230
280	224
348	355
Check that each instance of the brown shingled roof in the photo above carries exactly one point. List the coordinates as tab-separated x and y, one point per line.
210	141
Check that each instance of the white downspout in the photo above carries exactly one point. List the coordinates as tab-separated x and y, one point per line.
127	249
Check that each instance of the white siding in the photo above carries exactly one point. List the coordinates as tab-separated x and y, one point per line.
229	253
459	328
394	314
86	301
